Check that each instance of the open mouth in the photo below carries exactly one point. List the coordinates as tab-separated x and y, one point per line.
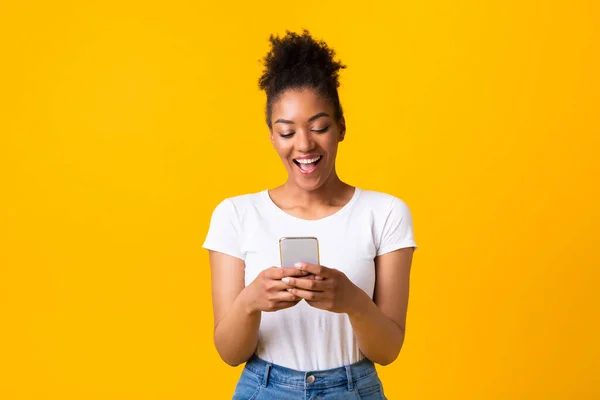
308	166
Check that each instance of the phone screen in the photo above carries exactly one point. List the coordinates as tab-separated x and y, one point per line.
298	249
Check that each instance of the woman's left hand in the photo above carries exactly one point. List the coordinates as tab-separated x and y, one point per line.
330	289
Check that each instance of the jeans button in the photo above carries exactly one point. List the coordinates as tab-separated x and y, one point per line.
310	379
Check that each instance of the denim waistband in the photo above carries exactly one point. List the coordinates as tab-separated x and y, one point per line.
319	379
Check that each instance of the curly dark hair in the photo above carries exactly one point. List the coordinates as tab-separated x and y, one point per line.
299	61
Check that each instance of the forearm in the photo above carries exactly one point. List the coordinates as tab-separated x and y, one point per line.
379	337
236	335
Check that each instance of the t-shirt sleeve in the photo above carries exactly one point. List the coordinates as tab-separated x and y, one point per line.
397	230
224	230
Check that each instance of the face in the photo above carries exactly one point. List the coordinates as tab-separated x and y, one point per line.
305	134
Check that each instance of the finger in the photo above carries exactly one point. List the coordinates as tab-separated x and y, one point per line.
279	305
279	285
314	269
311	277
285	296
279	272
283	283
307	294
307	284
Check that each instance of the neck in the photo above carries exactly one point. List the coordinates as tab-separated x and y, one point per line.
332	189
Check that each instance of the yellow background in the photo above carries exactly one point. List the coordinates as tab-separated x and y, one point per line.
124	123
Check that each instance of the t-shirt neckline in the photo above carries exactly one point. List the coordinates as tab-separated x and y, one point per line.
336	214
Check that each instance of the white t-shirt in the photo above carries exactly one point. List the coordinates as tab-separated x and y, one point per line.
303	337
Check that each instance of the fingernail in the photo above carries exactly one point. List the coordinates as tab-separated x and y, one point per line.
285	280
304	272
318	278
299	265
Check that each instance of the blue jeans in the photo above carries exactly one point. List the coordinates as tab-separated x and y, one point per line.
261	380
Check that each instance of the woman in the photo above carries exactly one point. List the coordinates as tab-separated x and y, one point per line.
314	331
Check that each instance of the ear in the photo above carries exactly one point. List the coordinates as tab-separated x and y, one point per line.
271	137
342	129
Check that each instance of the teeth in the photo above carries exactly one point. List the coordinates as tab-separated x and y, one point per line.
308	161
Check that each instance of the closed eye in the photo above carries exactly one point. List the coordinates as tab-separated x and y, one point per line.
288	135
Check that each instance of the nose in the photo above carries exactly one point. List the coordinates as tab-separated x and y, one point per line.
304	140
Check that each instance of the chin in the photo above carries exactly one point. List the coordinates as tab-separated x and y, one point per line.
306	183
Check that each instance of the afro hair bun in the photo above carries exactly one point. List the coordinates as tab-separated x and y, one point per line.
299	61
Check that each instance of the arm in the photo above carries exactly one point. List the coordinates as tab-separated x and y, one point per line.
379	324
235	324
238	308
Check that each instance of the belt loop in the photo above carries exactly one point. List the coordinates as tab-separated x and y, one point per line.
266	377
349	377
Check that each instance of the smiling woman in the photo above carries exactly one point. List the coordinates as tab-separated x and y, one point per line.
306	137
312	331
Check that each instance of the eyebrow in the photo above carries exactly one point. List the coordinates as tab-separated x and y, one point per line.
287	121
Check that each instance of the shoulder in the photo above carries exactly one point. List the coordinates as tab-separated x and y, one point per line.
383	203
237	206
392	221
244	200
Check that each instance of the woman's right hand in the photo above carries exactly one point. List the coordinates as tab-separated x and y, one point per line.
268	293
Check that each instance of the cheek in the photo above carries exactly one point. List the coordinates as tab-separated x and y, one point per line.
331	146
282	148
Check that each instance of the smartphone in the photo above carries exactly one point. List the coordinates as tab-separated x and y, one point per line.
298	249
